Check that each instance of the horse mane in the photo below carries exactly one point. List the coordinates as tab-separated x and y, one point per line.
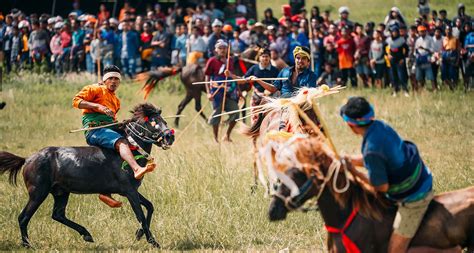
315	152
140	111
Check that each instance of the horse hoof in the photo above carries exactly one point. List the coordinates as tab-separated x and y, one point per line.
87	238
139	234
155	244
27	245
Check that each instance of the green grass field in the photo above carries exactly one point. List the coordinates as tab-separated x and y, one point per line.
370	10
202	195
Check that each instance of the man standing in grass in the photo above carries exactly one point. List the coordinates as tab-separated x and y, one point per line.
99	106
216	69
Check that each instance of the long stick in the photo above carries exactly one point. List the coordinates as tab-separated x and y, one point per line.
242	79
116	123
311	45
325	127
240	110
225	87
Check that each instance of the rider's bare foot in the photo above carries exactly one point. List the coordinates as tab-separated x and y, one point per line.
107	199
138	174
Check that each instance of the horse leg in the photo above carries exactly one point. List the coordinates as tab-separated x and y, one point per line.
198	106
59	215
134	199
35	200
182	105
149	208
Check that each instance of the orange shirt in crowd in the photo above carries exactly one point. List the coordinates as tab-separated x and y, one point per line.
345	49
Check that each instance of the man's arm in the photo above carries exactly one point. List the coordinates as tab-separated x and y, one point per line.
83	98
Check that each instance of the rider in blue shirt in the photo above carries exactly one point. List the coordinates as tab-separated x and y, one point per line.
298	76
395	168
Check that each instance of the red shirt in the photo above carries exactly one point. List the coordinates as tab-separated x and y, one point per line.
215	68
65	39
345	49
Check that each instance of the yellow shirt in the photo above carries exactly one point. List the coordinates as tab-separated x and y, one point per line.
450	43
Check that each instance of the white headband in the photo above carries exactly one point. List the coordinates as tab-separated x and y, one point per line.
111	74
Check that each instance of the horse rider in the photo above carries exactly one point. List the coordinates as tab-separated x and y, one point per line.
100	105
263	69
298	76
216	69
395	169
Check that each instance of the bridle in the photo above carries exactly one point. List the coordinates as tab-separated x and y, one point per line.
135	130
294	203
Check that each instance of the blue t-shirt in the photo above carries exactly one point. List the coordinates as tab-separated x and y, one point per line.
256	70
390	159
305	79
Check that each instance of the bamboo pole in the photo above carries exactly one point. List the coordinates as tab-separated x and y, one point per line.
242	80
325	127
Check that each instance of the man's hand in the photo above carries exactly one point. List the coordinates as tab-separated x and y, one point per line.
227	73
105	110
210	97
250	78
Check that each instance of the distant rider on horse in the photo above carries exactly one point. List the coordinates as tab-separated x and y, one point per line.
395	168
99	106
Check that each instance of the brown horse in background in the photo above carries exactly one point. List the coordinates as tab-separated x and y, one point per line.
195	73
362	216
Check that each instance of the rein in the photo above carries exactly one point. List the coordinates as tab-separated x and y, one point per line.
292	203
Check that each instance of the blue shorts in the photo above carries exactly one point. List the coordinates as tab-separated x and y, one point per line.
424	71
103	137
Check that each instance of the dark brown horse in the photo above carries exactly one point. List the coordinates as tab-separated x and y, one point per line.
60	171
195	73
360	215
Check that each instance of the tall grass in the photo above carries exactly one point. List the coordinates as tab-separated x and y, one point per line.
202	192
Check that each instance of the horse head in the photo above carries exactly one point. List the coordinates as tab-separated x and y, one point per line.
148	126
304	166
307	168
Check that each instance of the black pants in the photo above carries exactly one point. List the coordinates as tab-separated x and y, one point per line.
435	68
351	74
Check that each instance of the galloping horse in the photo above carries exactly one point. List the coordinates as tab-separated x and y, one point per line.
90	170
195	73
357	219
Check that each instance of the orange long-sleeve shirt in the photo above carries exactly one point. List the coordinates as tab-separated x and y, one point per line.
98	94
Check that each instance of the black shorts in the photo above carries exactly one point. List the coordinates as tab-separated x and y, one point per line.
380	69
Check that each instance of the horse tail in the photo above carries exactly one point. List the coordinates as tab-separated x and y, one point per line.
12	164
152	78
253	130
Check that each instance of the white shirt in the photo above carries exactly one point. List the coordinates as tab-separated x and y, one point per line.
424	43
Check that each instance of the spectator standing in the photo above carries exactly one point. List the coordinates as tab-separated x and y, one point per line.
344	19
411	59
38	43
397	50
346	48
377	58
361	57
395	17
450	59
128	41
103	14
162	46
197	46
282	43
237	46
215	36
145	45
269	19
438	47
16	45
461	15
25	52
56	48
424	49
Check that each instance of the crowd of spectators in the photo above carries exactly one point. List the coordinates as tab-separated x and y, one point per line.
391	52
